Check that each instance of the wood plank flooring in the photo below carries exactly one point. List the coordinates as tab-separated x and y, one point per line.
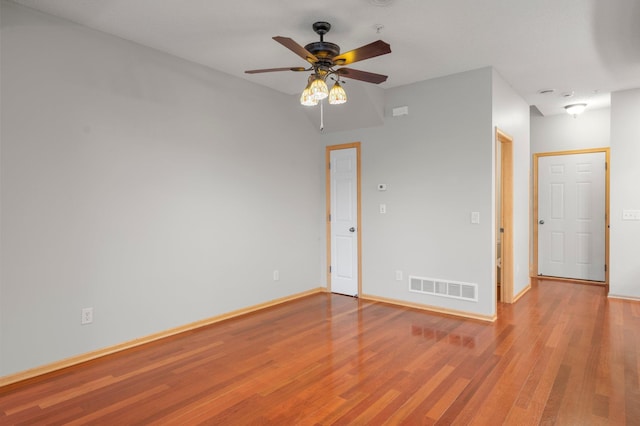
564	354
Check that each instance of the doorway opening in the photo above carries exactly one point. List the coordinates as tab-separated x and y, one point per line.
504	217
343	218
571	215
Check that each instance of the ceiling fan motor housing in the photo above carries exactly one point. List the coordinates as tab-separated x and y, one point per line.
323	49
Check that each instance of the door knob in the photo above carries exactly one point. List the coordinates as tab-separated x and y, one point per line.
541	221
352	229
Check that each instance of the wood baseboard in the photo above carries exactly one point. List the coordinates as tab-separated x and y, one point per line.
522	293
439	310
78	359
619	297
569	280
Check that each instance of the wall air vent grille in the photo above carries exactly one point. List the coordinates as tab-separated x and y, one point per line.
452	289
416	284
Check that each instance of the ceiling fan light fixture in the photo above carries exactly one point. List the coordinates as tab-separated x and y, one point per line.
319	89
324	57
307	98
337	95
575	109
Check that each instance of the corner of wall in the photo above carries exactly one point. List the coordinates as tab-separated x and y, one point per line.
624	275
511	114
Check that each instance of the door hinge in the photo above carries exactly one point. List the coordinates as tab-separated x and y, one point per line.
329	217
605	268
329	268
329	165
501	229
606	165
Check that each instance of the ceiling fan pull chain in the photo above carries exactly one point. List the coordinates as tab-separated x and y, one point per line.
321	115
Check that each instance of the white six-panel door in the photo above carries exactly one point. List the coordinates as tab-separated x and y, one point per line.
571	216
344	221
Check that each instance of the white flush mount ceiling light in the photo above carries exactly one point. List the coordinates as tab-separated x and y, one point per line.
575	109
381	3
546	91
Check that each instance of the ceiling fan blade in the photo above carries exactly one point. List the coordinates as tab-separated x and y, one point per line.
369	77
370	50
296	48
276	69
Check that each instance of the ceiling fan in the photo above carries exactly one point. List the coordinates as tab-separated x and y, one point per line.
323	58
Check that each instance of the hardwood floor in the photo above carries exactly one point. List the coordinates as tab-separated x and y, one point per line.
564	354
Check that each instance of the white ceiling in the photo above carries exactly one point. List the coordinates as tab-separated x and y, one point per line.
586	47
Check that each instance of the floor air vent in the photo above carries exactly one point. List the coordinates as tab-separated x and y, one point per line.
453	289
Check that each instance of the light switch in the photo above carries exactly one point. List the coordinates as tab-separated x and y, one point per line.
475	217
398	111
630	214
383	208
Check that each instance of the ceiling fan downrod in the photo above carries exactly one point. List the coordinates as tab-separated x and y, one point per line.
321	28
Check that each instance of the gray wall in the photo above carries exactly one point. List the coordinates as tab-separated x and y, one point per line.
156	191
511	115
624	276
438	163
619	129
566	133
160	192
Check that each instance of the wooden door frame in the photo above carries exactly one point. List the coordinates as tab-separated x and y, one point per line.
328	150
506	215
606	210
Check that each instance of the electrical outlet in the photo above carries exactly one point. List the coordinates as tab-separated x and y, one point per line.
276	275
87	316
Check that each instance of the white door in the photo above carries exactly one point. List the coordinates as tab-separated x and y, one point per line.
571	216
344	221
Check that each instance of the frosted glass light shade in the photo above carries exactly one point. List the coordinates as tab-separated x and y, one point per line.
319	89
307	98
337	95
575	109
